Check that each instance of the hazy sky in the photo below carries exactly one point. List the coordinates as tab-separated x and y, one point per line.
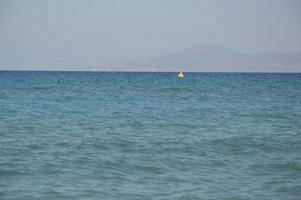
36	34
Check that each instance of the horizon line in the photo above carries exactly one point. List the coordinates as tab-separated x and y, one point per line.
136	71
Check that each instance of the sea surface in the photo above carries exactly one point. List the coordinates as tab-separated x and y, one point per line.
140	136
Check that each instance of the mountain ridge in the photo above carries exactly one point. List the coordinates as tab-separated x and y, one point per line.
211	58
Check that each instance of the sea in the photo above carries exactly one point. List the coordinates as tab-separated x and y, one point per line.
149	136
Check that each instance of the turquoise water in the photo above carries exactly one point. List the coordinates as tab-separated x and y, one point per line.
75	135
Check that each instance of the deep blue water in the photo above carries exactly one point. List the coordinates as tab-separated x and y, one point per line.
76	135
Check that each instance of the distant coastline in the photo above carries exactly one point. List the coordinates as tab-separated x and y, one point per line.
199	58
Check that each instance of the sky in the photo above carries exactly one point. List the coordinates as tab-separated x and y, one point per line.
65	34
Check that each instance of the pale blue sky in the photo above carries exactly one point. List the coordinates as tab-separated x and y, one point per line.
48	34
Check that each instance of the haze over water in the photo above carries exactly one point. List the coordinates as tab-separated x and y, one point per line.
77	135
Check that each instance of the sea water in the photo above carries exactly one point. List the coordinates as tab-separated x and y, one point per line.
81	135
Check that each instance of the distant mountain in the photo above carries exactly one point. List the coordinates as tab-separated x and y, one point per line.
212	58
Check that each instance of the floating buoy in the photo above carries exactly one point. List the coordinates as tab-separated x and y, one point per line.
180	75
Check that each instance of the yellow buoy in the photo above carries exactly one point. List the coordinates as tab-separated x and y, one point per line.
180	75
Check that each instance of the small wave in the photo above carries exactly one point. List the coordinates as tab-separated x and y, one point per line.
173	90
11	172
